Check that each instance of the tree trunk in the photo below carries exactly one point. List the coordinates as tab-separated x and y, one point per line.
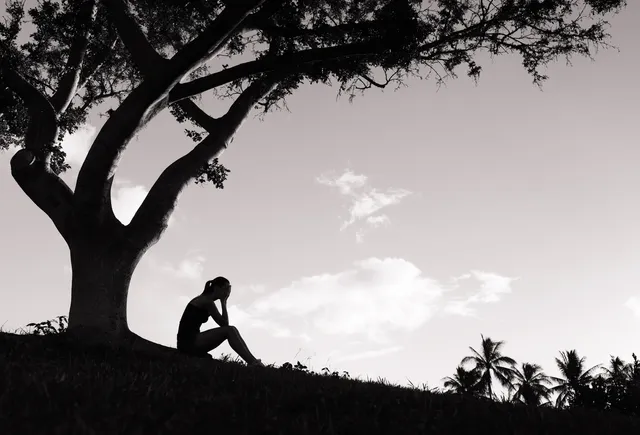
102	267
102	263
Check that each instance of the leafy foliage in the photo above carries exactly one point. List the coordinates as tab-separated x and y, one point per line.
490	361
47	327
346	42
466	382
531	385
574	377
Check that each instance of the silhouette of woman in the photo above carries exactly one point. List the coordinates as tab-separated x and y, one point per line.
193	342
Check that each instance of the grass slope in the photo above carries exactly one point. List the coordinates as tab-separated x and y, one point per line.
48	385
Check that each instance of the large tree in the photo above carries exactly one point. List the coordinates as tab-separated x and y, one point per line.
153	55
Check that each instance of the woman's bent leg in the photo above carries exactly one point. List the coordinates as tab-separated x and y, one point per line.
237	343
208	340
212	338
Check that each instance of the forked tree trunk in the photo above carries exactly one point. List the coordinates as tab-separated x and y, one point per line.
102	264
103	261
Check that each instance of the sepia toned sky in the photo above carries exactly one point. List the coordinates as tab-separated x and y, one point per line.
382	237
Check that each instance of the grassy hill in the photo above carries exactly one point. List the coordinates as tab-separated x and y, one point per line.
49	385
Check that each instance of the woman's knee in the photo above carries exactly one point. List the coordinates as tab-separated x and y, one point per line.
231	329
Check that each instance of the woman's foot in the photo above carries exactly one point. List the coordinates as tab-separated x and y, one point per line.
257	362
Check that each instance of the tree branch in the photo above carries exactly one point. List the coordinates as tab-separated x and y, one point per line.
215	36
151	219
199	116
148	99
100	59
30	166
69	82
284	63
146	58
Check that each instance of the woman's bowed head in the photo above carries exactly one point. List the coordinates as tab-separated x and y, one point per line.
217	289
193	342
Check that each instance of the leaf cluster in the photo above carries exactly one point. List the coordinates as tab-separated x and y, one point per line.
348	43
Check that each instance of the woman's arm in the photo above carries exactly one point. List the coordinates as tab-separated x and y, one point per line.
215	314
225	315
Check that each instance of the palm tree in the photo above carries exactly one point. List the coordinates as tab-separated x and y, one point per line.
618	371
634	370
531	385
574	376
491	362
463	381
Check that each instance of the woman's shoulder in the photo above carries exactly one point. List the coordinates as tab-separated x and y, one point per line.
199	302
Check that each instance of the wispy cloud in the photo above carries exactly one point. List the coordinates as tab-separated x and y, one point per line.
346	182
365	202
373	222
190	268
241	318
373	299
633	303
490	291
126	199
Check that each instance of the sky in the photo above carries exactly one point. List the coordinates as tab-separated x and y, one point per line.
382	237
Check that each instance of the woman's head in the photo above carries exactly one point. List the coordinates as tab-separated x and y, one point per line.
217	288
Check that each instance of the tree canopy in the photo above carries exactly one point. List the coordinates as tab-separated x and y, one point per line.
80	54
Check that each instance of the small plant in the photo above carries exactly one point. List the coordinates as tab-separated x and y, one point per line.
299	367
48	328
334	374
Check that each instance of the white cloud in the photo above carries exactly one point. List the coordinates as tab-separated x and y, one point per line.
459	307
374	222
373	299
376	296
377	221
257	288
189	268
77	145
492	287
633	303
126	198
345	182
365	202
240	318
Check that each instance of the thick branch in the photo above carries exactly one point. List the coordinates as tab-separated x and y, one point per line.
146	58
51	194
283	63
148	99
199	116
215	36
151	219
30	166
71	78
260	19
43	128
